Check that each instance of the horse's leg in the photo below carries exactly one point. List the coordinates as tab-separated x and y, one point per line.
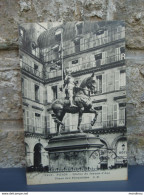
80	120
92	110
58	122
58	119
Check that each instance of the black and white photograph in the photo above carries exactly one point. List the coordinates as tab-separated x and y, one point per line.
73	79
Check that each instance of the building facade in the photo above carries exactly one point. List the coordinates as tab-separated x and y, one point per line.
82	48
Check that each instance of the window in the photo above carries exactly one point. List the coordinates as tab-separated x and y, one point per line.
54	89
117	80
99	84
122	79
104	58
37	123
79	27
99	117
122	114
36	92
77	46
74	61
98	58
22	86
35	67
110	81
58	34
122	50
99	32
27	120
104	82
110	115
25	82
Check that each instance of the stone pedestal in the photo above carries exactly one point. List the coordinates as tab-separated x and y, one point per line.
74	152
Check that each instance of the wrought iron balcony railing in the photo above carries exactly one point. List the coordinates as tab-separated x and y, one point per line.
31	70
34	129
53	74
87	126
96	63
86	65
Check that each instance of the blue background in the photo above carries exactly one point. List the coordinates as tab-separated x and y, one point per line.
14	179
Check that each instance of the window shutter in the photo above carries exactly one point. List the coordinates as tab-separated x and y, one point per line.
32	64
32	91
42	124
104	58
117	80
115	114
25	87
118	54
29	90
49	94
105	39
82	44
92	60
27	120
41	94
123	32
104	115
112	80
91	42
104	83
73	47
30	121
33	121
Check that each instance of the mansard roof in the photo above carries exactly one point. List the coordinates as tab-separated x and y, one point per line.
47	38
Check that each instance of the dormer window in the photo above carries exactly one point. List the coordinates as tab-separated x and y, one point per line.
79	27
58	35
100	32
21	33
75	62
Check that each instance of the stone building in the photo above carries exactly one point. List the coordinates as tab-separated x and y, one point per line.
83	48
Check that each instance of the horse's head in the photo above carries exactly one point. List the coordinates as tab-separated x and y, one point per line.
91	83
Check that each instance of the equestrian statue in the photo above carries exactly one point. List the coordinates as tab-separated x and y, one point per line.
77	100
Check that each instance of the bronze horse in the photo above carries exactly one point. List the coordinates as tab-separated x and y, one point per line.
82	101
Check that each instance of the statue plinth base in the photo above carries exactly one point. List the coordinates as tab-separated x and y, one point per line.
73	152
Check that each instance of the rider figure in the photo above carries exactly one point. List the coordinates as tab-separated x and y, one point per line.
70	84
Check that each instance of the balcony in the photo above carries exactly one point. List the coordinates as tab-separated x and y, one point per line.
98	127
96	63
34	129
31	70
53	74
86	65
